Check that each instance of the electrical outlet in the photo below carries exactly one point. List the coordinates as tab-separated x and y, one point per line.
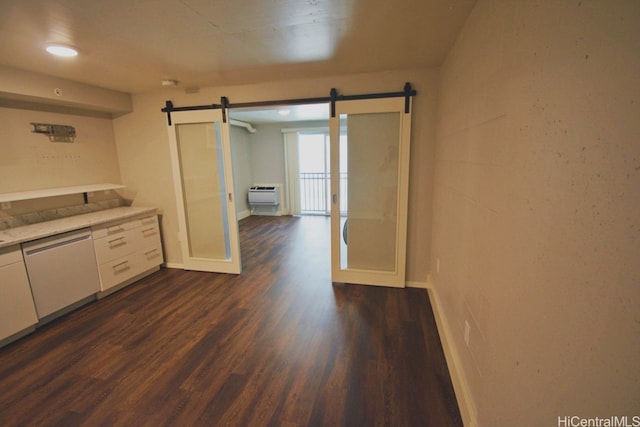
6	205
467	330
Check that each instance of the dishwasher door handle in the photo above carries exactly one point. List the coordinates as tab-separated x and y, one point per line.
55	245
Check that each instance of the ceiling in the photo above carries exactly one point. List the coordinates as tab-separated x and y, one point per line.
132	45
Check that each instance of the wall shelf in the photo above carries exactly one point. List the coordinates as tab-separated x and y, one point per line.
61	191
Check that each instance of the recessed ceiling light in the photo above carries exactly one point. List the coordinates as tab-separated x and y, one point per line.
62	50
284	112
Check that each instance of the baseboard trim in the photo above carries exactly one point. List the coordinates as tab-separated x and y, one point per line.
413	284
243	214
179	266
458	377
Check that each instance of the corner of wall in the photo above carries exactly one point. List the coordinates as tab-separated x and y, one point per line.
416	284
466	403
243	214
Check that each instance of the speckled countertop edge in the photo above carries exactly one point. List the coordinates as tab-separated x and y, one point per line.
17	235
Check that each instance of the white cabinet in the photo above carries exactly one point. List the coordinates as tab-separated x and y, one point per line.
17	311
127	250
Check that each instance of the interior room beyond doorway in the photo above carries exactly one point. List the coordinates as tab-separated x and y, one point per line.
286	147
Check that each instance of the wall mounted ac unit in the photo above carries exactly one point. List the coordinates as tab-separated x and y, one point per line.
265	196
264	200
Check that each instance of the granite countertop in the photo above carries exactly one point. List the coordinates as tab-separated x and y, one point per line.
16	235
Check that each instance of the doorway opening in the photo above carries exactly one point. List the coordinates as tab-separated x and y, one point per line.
314	172
376	192
313	176
288	149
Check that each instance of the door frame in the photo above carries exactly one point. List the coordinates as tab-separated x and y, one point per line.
394	278
232	265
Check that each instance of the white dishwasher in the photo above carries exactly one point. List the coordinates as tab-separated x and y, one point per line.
62	270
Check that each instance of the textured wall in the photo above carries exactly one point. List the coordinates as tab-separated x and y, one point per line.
29	161
537	209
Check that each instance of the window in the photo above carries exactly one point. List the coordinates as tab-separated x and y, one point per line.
314	172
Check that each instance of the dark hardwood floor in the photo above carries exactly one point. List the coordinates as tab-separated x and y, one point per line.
279	345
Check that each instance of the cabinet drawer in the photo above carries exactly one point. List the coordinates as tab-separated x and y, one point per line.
149	220
127	239
115	246
119	227
10	255
146	235
151	257
17	311
127	249
119	270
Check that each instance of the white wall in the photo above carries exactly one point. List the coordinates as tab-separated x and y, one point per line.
537	208
26	87
29	161
267	154
268	157
142	143
242	173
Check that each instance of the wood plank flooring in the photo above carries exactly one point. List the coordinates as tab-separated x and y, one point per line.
279	345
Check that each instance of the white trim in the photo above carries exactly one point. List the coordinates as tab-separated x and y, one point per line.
233	264
414	284
396	277
292	173
456	372
243	214
177	265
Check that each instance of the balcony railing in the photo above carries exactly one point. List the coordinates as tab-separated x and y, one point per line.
315	193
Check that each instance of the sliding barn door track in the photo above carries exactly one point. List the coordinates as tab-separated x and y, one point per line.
333	97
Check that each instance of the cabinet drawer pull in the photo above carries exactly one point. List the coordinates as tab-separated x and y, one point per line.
149	230
121	266
117	242
115	229
151	252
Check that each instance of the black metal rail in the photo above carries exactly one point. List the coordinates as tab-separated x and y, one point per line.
333	97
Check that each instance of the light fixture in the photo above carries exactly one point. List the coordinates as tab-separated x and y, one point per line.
62	50
284	112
